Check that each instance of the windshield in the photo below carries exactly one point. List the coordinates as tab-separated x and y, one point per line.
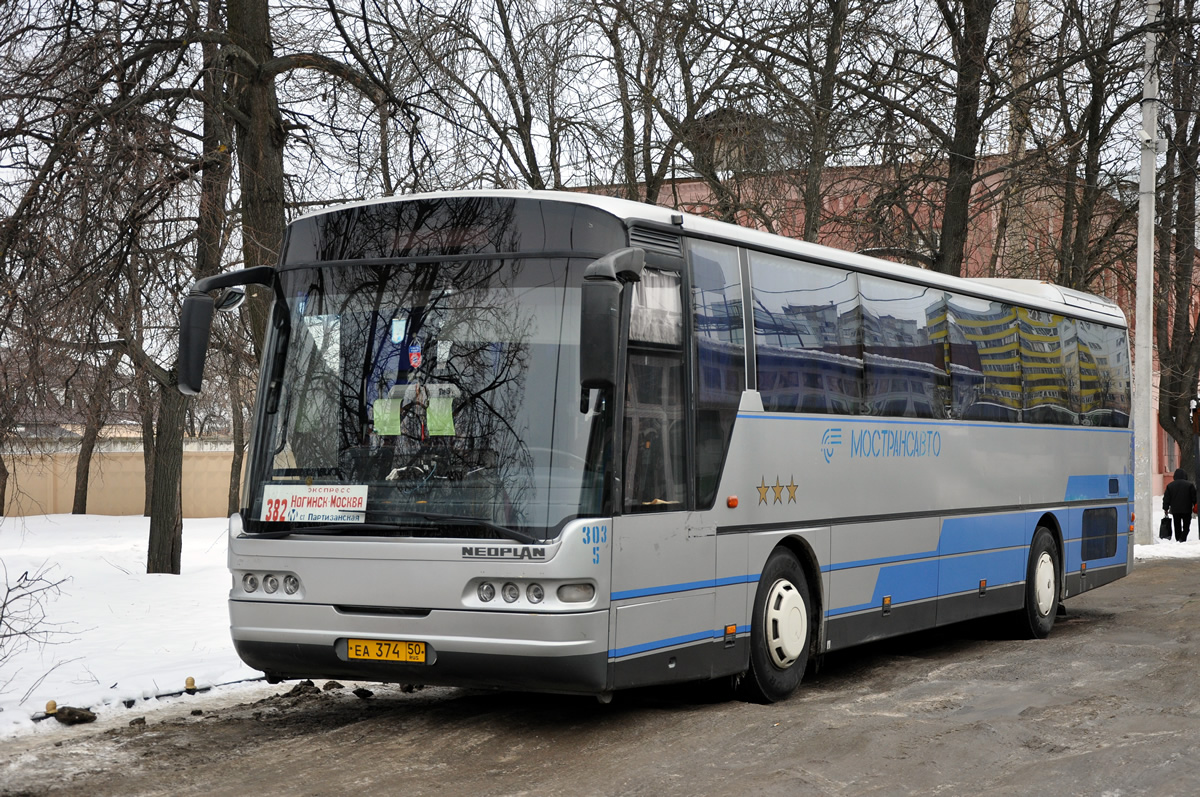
430	399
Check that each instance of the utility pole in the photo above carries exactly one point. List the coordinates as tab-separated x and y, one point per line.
1143	382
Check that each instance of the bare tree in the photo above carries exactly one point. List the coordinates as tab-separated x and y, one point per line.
946	83
172	87
1094	100
23	620
1177	325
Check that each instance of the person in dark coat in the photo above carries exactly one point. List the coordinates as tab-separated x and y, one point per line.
1180	499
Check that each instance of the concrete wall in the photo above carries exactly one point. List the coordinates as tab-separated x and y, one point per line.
44	483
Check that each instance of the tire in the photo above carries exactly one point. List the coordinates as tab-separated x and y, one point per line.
781	630
1042	587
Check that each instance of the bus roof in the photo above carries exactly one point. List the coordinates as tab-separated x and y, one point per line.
1044	295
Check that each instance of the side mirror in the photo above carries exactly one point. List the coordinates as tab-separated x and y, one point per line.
600	316
195	323
231	299
195	327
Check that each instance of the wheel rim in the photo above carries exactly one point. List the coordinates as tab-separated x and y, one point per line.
1043	583
786	623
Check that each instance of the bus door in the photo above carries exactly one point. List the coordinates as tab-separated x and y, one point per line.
664	557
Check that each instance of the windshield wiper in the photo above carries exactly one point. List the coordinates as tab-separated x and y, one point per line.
432	518
467	520
333	528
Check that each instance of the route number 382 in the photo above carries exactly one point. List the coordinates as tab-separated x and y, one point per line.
275	509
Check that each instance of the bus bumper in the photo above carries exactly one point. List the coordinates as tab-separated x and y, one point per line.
539	652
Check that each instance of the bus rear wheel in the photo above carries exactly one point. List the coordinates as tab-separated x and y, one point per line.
1042	587
780	631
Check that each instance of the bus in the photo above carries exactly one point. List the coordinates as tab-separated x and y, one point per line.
567	443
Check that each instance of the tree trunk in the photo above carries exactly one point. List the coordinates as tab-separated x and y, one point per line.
166	516
166	513
3	485
83	466
1012	250
146	411
971	53
260	140
822	113
96	415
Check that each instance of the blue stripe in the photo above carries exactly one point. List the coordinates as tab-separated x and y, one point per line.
700	636
664	643
827	419
667	589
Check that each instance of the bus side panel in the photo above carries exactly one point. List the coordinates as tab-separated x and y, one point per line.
982	563
886	486
884	579
683	656
795	469
664	598
736	582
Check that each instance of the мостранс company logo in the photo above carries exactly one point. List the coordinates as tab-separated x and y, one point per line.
831	438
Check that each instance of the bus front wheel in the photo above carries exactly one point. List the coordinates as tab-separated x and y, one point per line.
780	631
1042	587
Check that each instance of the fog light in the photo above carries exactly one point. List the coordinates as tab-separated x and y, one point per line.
510	592
250	582
291	585
270	583
486	591
576	593
535	593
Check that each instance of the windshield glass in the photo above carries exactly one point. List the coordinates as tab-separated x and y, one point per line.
430	399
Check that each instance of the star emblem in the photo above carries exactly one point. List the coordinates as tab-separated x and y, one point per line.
762	491
778	488
791	488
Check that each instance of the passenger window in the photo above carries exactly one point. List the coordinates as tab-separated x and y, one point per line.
807	344
1045	371
655	420
657	314
655	475
1103	375
985	360
904	357
717	315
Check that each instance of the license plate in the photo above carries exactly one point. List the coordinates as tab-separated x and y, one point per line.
386	650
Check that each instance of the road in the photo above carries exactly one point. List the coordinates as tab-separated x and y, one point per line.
1109	704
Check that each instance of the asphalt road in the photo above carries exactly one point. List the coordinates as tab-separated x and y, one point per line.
1108	705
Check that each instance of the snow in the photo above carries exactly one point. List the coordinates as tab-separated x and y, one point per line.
120	634
124	636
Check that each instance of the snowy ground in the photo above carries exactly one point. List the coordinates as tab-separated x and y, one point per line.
124	636
121	634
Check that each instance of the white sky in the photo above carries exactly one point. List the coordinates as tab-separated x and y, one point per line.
124	635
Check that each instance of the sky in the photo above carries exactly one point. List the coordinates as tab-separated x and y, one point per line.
121	635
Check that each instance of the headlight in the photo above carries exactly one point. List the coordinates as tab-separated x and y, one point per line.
270	583
510	592
487	591
535	593
576	593
291	584
250	582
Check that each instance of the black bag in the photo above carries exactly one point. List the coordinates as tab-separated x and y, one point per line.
1164	528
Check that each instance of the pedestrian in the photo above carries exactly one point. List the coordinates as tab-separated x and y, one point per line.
1179	499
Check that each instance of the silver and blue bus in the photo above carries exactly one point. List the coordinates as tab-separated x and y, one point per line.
571	443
